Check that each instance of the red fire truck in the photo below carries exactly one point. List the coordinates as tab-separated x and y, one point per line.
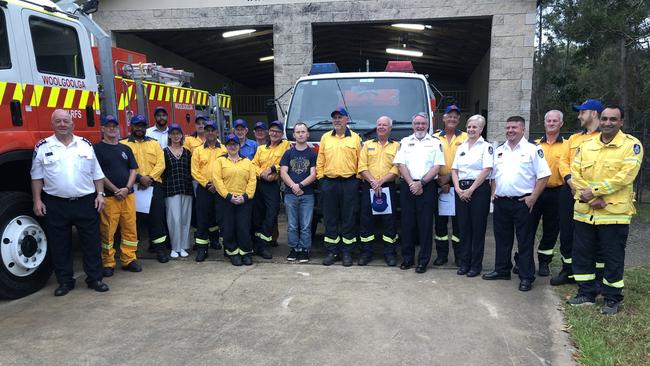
46	62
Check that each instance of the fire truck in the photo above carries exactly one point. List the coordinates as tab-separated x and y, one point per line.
47	63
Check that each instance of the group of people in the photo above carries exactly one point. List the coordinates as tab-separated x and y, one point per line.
580	187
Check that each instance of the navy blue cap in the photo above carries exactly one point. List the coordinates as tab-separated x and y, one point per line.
239	122
590	105
231	137
278	124
261	125
158	109
174	126
341	111
452	108
210	123
379	203
200	116
108	119
138	119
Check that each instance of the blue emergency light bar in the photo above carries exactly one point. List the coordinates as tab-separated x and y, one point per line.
324	68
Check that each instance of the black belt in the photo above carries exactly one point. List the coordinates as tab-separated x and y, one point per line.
67	199
340	178
513	197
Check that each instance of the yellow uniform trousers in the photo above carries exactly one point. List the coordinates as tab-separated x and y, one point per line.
118	213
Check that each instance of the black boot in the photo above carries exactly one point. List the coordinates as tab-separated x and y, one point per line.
201	253
543	271
563	277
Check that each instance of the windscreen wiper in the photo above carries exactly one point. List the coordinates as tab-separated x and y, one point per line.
324	122
374	129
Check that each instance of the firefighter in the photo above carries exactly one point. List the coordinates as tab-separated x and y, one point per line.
159	130
603	174
234	178
197	138
261	132
378	172
68	189
120	167
450	138
589	121
266	204
248	146
419	159
336	170
547	206
207	213
151	164
520	175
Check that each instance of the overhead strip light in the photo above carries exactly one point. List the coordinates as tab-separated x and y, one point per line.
267	58
237	33
418	27
404	52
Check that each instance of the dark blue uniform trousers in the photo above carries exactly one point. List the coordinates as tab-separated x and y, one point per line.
417	222
513	216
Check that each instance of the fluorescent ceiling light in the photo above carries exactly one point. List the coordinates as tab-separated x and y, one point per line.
410	26
267	58
237	33
404	52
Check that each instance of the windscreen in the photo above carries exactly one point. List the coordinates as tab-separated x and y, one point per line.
366	99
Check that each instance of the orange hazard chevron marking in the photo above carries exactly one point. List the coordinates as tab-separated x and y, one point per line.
46	96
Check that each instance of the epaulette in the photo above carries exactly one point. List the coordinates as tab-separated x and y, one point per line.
87	141
147	138
501	144
42	142
436	137
631	137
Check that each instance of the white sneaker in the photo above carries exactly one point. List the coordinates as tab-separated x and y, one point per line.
173	254
184	253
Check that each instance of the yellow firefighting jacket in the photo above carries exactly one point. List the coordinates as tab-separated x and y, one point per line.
268	156
234	177
574	142
609	170
338	156
203	158
149	155
449	148
553	153
378	159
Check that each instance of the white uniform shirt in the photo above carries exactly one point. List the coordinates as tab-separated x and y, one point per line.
419	156
67	171
470	162
154	133
517	170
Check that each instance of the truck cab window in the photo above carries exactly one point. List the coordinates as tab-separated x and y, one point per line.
5	60
56	47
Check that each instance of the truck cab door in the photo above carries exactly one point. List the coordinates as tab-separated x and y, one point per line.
61	65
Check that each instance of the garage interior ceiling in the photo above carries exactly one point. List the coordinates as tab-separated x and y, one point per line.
452	48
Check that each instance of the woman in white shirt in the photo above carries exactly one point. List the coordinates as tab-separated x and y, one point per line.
470	171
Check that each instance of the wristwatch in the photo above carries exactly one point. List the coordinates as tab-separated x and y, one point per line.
101	194
300	185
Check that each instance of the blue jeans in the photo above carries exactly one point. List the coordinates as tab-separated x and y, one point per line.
300	210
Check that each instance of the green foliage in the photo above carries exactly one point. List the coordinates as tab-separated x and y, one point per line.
593	49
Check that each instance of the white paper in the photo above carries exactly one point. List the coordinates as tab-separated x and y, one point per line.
143	199
446	203
389	209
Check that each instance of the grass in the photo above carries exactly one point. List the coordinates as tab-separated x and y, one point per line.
623	339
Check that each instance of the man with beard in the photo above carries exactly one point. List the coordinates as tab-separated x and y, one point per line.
159	131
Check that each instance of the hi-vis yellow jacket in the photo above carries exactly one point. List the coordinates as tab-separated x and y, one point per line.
269	156
609	170
338	157
449	148
149	155
232	178
203	158
574	142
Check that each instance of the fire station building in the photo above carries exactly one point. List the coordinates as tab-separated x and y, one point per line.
478	53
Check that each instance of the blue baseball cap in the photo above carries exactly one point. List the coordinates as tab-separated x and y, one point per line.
210	123
278	124
138	119
379	203
239	122
452	108
590	105
176	127
231	137
341	111
261	125
159	109
200	116
108	119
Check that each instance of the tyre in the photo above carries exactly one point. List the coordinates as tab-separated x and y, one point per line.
24	261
